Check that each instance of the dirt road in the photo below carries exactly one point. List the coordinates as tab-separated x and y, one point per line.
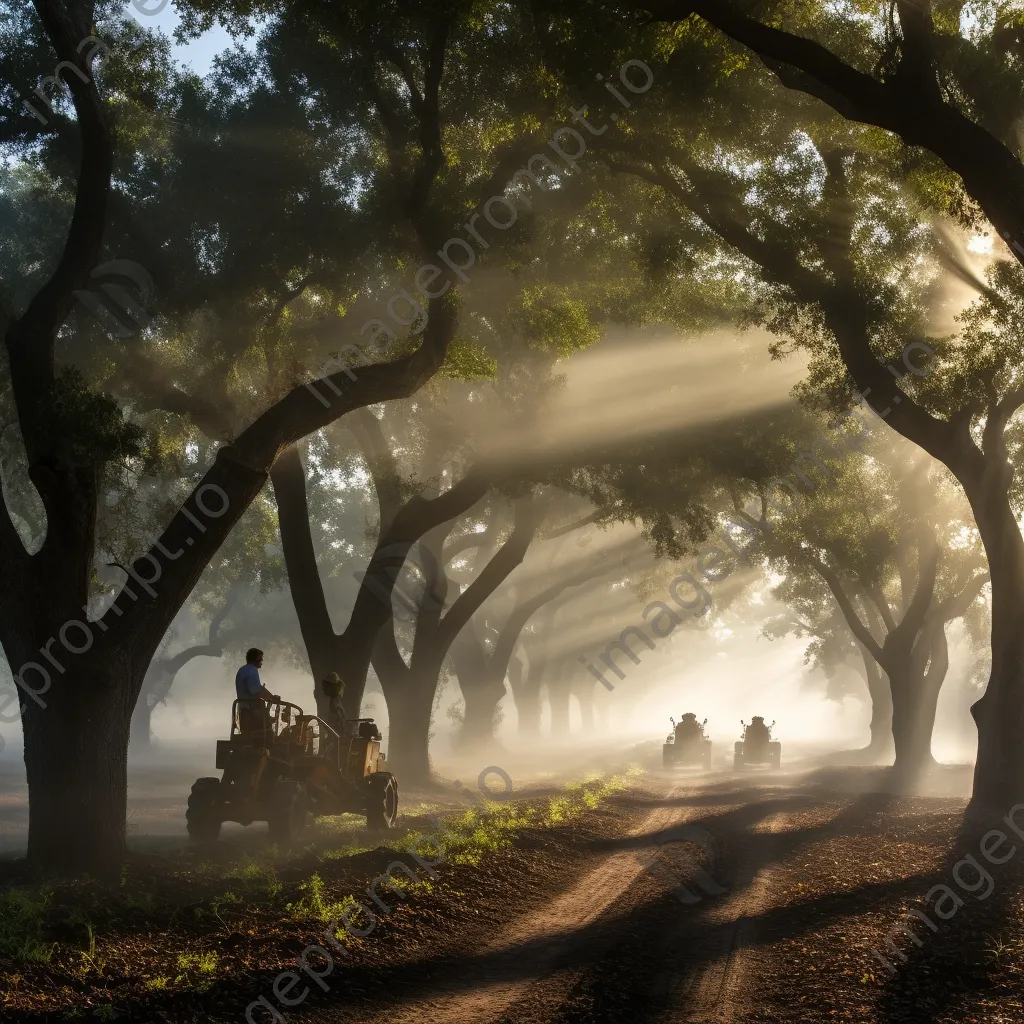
665	922
688	898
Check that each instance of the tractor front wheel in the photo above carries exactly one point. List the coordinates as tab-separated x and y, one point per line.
202	817
737	757
707	756
289	809
775	754
381	801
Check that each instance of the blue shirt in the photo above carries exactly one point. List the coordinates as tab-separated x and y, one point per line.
247	682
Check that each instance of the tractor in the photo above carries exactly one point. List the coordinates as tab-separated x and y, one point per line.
757	745
281	765
687	744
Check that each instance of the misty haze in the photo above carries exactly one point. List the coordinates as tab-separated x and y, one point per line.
509	512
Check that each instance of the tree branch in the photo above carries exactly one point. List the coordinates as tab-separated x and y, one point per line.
853	620
991	173
509	555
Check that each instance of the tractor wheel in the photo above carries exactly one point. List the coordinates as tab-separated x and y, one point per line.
737	757
288	811
381	801
202	817
707	757
667	752
775	754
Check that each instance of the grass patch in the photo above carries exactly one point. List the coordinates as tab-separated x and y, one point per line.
23	924
197	970
468	837
258	877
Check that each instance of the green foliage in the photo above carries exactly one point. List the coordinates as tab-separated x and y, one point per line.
476	833
23	926
86	426
555	322
197	970
258	877
315	905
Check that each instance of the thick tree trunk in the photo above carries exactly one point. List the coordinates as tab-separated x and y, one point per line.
999	714
481	691
410	709
76	762
141	738
913	718
481	719
915	696
525	684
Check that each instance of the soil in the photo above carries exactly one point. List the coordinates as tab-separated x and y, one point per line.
749	897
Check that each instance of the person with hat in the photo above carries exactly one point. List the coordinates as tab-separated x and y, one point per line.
334	688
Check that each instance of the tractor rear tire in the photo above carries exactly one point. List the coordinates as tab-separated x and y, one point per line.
381	801
288	811
202	816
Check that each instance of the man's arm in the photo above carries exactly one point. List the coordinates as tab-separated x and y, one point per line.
263	692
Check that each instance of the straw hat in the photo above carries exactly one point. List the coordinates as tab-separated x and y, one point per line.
333	684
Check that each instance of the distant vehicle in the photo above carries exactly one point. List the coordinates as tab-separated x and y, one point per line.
687	744
757	745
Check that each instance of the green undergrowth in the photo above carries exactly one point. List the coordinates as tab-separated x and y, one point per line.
61	924
23	921
468	837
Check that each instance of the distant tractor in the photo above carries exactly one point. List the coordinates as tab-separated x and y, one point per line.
281	766
687	744
757	745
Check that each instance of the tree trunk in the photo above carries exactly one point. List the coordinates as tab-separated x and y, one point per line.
481	720
141	738
76	762
525	684
558	699
881	744
915	696
586	702
410	710
481	691
999	714
529	708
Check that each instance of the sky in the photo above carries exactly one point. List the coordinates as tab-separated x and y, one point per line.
197	54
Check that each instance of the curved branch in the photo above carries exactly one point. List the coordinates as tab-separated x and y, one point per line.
31	338
990	171
853	620
304	582
507	558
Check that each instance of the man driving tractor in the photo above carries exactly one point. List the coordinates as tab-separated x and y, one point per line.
252	695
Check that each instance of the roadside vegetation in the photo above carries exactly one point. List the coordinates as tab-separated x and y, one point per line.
207	921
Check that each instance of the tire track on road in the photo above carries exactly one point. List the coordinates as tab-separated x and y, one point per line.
540	944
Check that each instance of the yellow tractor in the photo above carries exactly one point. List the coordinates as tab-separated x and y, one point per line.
687	744
757	745
281	766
